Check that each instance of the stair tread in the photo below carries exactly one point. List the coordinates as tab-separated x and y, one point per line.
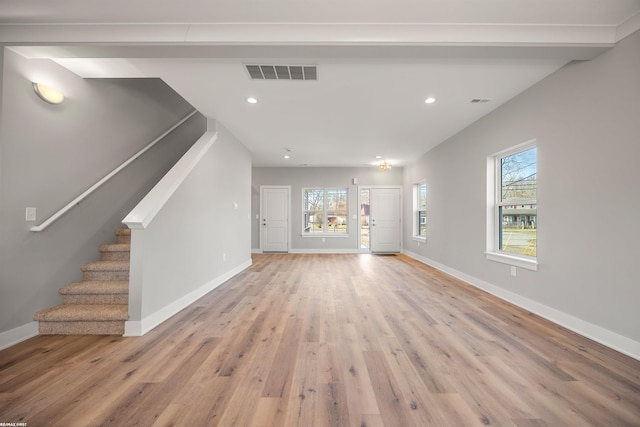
123	231
106	266
96	287
115	247
83	312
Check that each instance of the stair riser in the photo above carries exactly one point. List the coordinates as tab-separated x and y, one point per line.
115	256
123	239
81	328
105	275
96	299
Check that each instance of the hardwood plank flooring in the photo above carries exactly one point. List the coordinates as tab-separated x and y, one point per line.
327	340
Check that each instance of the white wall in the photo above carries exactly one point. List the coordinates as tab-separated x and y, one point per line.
586	120
301	177
200	238
51	154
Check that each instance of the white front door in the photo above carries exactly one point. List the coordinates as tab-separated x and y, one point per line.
274	219
384	216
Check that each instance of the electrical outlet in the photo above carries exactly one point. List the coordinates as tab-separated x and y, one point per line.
30	214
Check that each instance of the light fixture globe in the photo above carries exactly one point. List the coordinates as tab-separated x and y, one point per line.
384	166
48	94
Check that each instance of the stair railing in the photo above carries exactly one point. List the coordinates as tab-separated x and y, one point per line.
107	177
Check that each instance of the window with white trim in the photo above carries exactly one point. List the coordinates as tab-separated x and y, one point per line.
420	210
325	211
512	229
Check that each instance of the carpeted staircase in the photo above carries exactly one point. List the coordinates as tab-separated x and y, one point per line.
99	304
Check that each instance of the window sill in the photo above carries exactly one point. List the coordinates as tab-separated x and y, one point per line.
324	235
516	261
419	239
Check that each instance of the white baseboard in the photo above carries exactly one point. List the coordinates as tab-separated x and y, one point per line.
19	334
594	332
139	328
314	251
324	251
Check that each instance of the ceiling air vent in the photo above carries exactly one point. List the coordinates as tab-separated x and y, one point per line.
480	100
283	72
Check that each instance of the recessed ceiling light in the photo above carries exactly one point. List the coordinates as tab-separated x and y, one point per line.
286	156
252	100
430	100
378	157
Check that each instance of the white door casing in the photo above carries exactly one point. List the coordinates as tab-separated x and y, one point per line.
274	218
385	220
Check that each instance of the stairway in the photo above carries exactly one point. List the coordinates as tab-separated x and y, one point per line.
99	304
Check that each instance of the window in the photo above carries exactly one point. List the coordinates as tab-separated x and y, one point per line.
420	211
512	227
325	211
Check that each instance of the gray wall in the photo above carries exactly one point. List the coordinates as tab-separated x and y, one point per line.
586	119
50	154
199	235
300	177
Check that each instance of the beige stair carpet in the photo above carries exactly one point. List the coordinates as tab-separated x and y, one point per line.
99	304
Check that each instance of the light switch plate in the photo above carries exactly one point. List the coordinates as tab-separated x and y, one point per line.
30	214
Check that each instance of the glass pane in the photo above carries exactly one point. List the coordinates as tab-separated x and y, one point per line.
312	222
422	223
337	221
518	230
337	199
422	197
313	199
518	176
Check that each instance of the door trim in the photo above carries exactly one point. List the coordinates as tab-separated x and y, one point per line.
288	188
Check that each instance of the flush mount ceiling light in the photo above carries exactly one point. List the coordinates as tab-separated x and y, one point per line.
384	166
252	100
430	100
48	94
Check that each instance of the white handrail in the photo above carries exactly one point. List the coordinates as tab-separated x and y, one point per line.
95	186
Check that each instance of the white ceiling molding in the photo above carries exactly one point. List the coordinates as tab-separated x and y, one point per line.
571	12
301	34
628	27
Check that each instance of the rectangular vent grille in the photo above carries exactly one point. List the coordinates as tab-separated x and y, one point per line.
480	100
283	72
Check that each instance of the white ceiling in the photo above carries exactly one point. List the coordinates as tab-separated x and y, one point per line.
377	62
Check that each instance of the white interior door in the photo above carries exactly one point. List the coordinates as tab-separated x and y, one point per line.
385	220
274	219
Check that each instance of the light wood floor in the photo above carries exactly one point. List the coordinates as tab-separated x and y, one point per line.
327	340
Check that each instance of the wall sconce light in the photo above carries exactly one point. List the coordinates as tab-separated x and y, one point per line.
384	166
48	94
